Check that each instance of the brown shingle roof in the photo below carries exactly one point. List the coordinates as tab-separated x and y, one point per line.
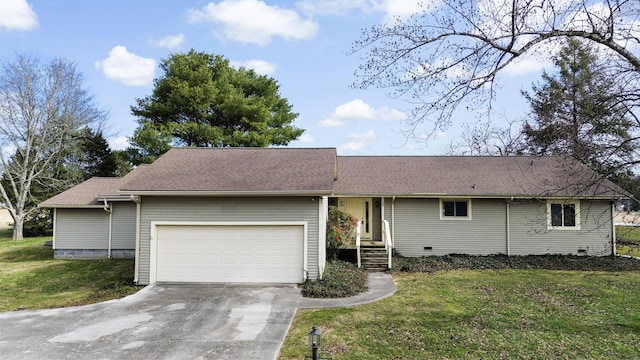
84	194
519	176
311	171
256	170
87	192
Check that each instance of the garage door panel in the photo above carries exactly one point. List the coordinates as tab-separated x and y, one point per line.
230	253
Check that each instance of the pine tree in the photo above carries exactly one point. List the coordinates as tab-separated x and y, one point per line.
96	157
575	112
202	101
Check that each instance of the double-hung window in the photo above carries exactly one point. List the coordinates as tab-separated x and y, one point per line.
563	214
455	209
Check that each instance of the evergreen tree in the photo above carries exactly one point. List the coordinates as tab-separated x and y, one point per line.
96	158
202	101
575	112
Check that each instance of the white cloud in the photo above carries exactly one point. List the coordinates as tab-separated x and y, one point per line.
395	8
359	110
359	142
260	66
119	143
128	68
17	15
330	122
169	42
391	8
307	139
331	7
527	64
253	21
354	109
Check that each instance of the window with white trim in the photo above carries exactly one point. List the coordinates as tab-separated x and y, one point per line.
563	214
455	209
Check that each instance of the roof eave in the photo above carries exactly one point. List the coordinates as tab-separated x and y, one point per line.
482	196
112	198
70	206
226	193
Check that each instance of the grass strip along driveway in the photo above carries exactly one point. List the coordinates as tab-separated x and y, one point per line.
31	279
485	314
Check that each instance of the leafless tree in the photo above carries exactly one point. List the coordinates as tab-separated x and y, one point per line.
41	105
485	138
448	56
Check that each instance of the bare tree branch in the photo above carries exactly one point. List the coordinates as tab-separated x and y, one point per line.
41	106
452	52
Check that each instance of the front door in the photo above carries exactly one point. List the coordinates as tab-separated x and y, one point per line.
360	208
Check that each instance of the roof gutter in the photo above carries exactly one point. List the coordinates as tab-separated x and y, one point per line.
475	196
226	193
113	198
71	206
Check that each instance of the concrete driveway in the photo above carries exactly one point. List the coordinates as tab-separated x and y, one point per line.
162	321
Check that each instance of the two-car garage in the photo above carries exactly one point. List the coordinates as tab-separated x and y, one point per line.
228	252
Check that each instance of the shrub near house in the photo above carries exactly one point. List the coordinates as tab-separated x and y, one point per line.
340	231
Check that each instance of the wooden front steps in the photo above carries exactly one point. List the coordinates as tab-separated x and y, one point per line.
373	256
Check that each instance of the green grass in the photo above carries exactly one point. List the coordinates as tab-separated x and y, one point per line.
31	279
628	240
484	314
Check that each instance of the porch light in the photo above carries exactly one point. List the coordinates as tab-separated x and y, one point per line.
315	341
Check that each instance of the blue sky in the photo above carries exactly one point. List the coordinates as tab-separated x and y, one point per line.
118	45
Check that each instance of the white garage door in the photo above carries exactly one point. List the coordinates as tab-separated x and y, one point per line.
230	253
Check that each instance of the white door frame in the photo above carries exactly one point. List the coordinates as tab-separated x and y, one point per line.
153	243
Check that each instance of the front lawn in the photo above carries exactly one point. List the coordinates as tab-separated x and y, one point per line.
628	240
484	314
31	279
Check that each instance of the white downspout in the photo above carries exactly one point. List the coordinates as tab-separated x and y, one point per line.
136	270
322	235
508	229
55	222
107	208
393	221
613	230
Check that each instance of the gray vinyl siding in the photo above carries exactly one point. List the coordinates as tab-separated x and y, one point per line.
418	225
82	229
529	233
123	232
228	209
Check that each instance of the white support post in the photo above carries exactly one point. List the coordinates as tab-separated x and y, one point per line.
358	225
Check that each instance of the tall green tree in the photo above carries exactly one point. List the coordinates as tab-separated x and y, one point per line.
575	112
202	101
95	155
42	107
